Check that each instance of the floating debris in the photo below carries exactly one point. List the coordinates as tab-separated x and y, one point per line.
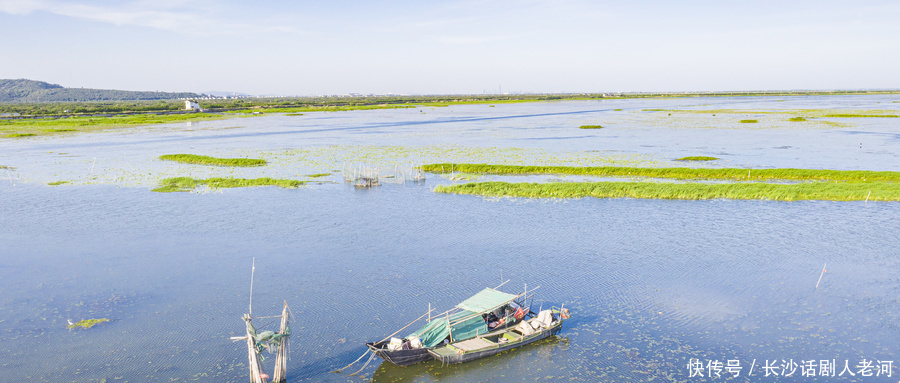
86	323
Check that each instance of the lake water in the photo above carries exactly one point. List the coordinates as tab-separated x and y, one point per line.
652	284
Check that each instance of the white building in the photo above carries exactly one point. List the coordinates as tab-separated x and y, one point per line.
191	105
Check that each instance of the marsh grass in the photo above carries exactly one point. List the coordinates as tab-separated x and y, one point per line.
88	323
57	183
728	174
183	184
318	175
797	119
748	121
207	160
590	127
841	191
48	126
697	158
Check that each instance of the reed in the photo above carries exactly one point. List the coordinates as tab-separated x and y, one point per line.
727	174
207	160
183	184
842	191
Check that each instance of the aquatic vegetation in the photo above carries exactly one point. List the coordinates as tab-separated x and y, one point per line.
57	183
590	127
207	160
840	191
317	175
22	127
697	158
748	121
797	119
889	113
295	114
860	115
728	174
183	184
88	323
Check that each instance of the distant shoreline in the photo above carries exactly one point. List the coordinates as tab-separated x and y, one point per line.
293	104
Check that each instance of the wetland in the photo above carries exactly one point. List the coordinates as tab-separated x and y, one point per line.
653	283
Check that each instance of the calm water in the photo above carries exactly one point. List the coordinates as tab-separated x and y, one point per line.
652	284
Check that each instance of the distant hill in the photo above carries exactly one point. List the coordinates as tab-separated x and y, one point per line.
22	90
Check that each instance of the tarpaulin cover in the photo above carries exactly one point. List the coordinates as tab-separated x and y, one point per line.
438	329
485	300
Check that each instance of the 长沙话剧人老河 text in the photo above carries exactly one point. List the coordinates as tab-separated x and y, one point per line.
790	368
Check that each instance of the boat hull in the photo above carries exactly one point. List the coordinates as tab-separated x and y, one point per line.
401	357
454	358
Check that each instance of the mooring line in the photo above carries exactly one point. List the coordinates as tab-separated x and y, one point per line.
354	362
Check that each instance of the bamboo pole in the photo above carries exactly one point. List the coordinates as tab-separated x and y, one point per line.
821	275
281	358
257	375
252	270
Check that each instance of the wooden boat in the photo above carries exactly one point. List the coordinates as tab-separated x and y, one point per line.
498	341
465	321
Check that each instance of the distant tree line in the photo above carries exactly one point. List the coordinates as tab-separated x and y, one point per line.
22	90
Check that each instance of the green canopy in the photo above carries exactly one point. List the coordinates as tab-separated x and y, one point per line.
466	324
486	300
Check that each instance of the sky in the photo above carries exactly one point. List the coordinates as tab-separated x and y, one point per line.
331	47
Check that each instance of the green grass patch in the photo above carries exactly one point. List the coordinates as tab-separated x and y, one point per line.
183	184
841	191
57	183
797	119
590	127
697	158
15	135
49	126
860	115
206	160
887	113
617	110
295	114
728	174
318	175
88	323
748	121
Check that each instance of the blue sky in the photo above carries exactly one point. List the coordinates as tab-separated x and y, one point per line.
439	47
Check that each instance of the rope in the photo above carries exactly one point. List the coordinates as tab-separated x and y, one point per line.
364	366
345	367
